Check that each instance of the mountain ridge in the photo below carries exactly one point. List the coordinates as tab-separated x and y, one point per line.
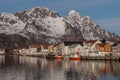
41	25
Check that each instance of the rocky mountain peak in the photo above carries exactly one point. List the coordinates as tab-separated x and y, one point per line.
73	12
35	13
74	17
7	16
88	27
41	25
43	12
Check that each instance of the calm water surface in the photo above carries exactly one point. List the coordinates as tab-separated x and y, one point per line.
32	68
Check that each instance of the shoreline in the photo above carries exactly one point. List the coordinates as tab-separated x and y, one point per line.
64	57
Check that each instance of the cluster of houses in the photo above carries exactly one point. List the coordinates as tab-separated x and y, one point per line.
90	48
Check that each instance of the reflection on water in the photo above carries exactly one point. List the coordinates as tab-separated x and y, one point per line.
32	68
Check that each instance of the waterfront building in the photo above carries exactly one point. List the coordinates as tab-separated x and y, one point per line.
51	48
116	49
76	49
44	49
90	47
97	47
34	49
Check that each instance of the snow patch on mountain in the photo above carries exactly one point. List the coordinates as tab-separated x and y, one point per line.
8	15
10	24
55	25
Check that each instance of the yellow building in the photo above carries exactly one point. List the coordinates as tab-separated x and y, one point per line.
104	48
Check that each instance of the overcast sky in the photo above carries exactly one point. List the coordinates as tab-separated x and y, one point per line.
105	12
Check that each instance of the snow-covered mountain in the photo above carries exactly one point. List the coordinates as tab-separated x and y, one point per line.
10	24
88	28
45	26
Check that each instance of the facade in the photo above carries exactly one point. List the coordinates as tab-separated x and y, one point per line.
64	48
58	48
94	49
116	49
73	47
90	47
51	48
44	49
61	49
23	51
76	49
105	48
33	49
97	48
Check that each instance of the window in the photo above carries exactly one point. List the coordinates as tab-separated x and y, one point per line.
101	49
108	49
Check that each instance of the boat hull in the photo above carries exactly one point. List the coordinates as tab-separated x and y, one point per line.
58	57
50	56
74	58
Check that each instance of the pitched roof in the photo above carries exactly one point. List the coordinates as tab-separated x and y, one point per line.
45	46
90	41
115	41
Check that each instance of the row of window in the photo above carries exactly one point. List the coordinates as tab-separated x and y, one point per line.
102	49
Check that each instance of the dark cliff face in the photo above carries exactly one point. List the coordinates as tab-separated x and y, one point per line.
41	25
72	34
13	41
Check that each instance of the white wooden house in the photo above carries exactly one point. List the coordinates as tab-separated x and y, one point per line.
65	50
23	51
61	49
33	49
58	48
44	49
76	49
91	49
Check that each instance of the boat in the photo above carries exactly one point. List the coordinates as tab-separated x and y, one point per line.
58	57
50	56
74	57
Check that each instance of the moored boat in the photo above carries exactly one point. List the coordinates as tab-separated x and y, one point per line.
74	57
58	57
50	56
